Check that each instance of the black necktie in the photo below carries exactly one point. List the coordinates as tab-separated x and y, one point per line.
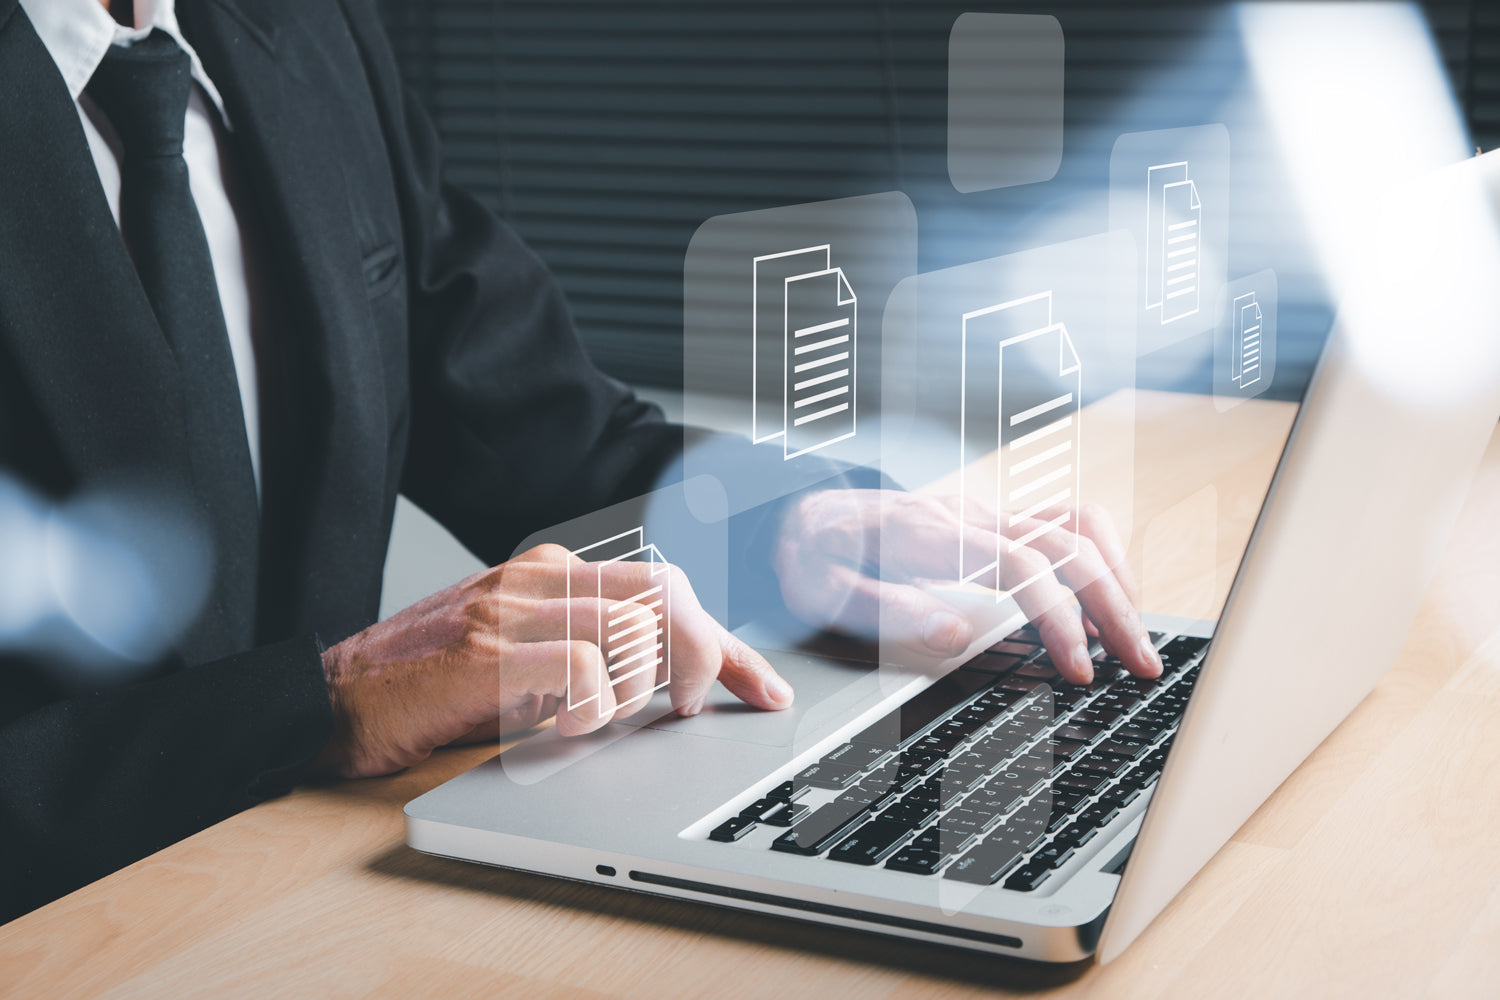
143	90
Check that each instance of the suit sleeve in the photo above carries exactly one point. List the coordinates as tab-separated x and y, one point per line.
512	427
94	780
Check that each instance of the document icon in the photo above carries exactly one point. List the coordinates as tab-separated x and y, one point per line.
630	631
1174	220
1021	393
1245	351
805	320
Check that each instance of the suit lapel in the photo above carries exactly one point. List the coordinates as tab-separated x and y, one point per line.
324	487
84	339
70	304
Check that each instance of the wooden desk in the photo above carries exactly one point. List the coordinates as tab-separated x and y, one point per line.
1372	872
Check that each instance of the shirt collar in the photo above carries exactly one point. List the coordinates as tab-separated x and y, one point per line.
78	33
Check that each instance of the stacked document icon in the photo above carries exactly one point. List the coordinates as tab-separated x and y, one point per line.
1019	429
629	630
1245	354
1174	220
805	321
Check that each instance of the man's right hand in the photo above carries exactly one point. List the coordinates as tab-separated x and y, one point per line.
492	655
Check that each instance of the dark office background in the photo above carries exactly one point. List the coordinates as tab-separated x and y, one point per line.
605	132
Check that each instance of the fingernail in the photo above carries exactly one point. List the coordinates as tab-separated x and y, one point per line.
1148	648
778	690
1082	665
942	632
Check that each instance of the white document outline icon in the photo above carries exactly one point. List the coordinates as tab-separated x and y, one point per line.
633	641
1245	357
1174	240
1038	469
803	374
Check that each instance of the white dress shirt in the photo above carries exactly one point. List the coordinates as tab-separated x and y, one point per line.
77	34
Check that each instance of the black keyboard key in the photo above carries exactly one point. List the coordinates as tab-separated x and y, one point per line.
1064	803
1120	796
916	861
786	791
1098	815
760	807
982	755
939	791
1079	783
1068	696
732	829
1020	685
999	697
1054	856
966	821
1122	747
1182	649
1098	715
786	815
986	863
994	663
1120	701
1041	668
1027	634
1078	731
960	726
966	773
867	793
856	755
1098	765
1075	835
825	775
820	828
1041	711
995	800
911	814
983	711
939	744
1062	749
928	705
1028	877
871	844
1131	731
1035	762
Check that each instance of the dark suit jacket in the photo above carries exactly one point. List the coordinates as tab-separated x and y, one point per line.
422	349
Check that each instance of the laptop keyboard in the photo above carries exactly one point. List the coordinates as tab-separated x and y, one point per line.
999	771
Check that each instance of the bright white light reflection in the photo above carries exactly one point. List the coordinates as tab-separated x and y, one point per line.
1361	109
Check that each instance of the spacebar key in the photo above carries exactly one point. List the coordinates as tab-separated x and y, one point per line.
820	828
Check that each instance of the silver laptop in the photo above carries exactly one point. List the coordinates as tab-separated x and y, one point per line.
989	805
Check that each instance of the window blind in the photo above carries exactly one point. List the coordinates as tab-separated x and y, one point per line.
606	132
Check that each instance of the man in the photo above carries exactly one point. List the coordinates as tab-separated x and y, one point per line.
300	321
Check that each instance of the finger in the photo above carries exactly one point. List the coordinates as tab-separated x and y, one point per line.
1095	523
636	672
910	618
573	672
686	644
1048	605
749	676
1082	567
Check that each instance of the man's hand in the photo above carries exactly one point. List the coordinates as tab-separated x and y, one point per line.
492	655
867	562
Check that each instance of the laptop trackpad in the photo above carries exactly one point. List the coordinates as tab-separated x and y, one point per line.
833	680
